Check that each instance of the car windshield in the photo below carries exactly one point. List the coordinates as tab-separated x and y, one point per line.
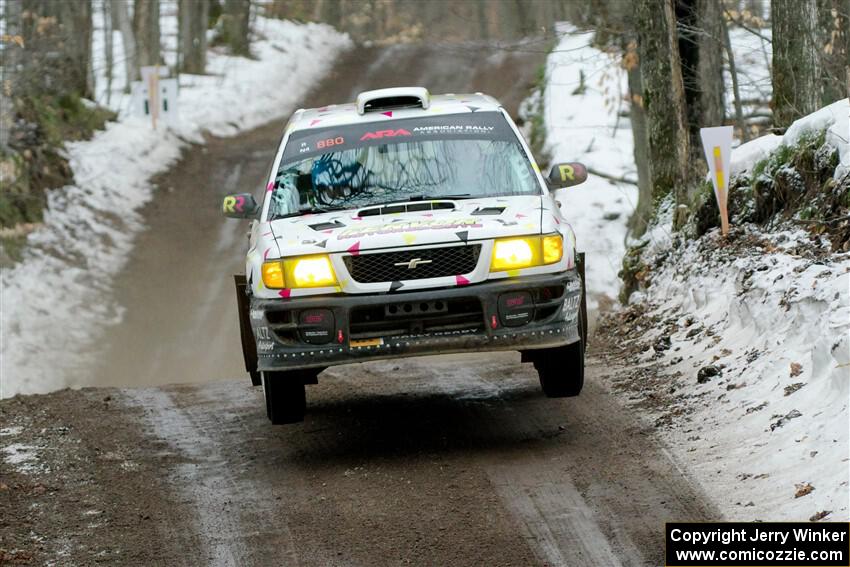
392	165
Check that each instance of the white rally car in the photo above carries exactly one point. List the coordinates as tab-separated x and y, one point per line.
407	224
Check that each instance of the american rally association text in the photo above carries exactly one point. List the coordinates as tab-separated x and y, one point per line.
755	533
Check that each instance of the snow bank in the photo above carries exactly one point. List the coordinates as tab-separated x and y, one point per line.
771	312
583	123
835	119
777	325
56	302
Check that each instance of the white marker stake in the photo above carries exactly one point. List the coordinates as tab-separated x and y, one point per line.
717	145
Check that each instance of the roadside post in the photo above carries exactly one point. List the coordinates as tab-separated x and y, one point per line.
155	95
717	145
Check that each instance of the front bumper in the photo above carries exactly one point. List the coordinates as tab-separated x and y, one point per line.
524	313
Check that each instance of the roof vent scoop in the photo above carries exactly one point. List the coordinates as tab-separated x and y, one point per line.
390	99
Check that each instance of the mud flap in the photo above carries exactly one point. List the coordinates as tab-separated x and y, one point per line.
583	304
249	346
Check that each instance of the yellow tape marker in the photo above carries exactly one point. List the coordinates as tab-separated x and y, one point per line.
718	169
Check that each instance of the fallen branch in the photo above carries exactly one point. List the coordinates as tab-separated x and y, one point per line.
610	177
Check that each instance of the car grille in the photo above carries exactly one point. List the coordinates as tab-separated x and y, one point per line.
433	263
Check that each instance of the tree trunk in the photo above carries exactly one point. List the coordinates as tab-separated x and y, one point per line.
76	24
192	30
796	64
235	26
643	211
664	101
688	39
146	32
9	85
108	52
710	73
122	20
483	25
331	13
736	91
834	47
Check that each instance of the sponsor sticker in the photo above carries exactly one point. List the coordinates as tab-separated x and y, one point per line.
366	342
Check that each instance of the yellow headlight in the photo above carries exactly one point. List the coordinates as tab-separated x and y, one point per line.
309	271
514	253
553	248
525	252
273	275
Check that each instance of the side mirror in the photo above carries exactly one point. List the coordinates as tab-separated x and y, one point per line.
567	175
239	206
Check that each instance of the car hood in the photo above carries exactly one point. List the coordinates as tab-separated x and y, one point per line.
466	220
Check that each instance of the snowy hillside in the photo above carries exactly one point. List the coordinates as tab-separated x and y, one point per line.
56	302
743	352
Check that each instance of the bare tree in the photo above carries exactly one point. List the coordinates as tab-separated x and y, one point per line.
192	18
108	48
12	55
146	32
736	90
834	48
796	64
235	26
121	20
663	100
643	211
712	110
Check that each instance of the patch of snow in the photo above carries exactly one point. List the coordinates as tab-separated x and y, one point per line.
10	431
745	156
586	126
20	456
56	302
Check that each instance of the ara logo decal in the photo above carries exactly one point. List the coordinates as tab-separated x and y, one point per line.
384	134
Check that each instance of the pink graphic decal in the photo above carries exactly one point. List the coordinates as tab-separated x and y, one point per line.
269	233
270	186
354	249
520	216
329	231
388	113
554	218
460	280
266	253
284	293
356	218
428	215
315	121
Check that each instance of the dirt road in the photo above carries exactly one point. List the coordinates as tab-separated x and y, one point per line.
431	461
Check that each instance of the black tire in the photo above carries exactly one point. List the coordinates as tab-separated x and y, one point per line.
285	395
561	370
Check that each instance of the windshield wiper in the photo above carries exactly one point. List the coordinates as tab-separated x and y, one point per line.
311	210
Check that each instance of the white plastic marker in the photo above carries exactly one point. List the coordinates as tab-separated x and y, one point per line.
155	95
717	145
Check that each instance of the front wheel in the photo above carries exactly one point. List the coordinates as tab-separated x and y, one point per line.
286	398
561	370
